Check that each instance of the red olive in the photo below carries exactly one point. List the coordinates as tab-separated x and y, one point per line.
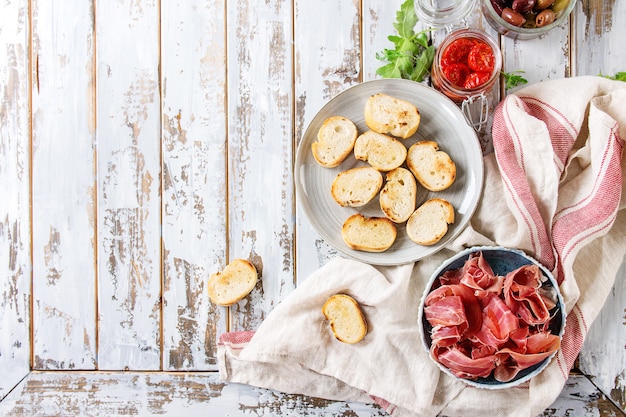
512	17
498	6
543	4
523	6
545	18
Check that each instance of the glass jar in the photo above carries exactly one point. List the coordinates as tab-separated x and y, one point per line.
443	13
528	29
463	89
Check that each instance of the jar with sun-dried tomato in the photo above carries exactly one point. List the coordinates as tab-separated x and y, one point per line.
466	66
468	61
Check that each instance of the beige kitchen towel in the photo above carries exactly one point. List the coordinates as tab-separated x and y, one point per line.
553	188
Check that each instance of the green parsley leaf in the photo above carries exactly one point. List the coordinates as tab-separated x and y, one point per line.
512	79
620	76
412	56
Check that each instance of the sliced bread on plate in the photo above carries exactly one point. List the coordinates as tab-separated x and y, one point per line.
356	187
398	195
381	151
429	223
368	234
335	140
433	168
386	114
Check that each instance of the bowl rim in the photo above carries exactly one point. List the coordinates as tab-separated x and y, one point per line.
491	14
465	253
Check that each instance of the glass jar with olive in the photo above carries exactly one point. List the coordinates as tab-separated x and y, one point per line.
526	19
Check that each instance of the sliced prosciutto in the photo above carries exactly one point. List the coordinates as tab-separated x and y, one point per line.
464	366
498	321
537	347
477	274
452	306
487	325
523	296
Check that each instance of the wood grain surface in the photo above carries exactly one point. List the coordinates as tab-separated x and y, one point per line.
146	144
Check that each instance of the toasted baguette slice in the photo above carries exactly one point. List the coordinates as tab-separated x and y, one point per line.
233	283
386	114
335	141
429	223
397	198
368	234
357	186
345	318
381	151
434	169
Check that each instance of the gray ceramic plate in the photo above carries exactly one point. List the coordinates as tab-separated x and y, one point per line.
441	120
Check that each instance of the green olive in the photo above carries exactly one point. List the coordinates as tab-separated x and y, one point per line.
559	5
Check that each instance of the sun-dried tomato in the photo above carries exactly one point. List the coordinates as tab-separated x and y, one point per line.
481	58
467	62
476	79
456	73
457	51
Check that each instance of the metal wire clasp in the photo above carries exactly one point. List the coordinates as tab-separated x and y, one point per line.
476	111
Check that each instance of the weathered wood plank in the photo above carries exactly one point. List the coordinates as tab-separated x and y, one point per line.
186	394
581	398
194	179
64	324
15	253
260	151
599	37
103	394
128	166
600	29
326	62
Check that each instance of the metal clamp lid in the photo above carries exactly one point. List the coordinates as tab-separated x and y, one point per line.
476	111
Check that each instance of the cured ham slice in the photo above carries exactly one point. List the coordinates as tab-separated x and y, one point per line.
537	347
477	274
498	321
447	311
488	325
522	295
453	305
464	366
444	336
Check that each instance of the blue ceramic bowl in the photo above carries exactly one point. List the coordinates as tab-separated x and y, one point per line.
502	261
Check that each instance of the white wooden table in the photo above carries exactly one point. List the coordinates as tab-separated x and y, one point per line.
145	143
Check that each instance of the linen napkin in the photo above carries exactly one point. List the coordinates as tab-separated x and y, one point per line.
553	188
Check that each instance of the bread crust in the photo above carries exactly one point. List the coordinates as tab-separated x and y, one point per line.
429	223
335	141
386	114
345	318
368	234
233	283
433	168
